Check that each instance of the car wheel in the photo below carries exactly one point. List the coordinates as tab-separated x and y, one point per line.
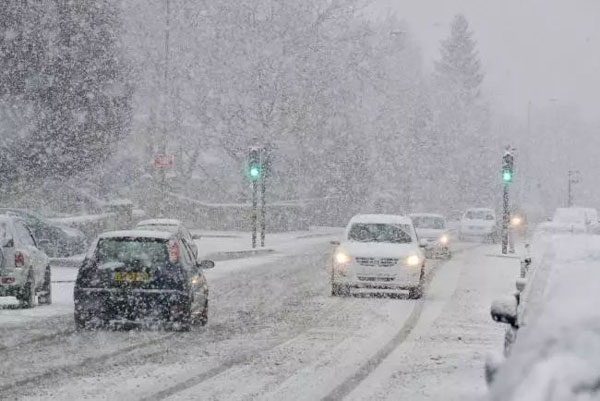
204	316
80	321
46	294
415	292
26	295
339	290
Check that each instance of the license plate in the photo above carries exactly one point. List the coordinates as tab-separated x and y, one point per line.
131	277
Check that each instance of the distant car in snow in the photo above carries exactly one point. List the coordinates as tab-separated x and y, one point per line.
56	240
171	225
574	220
24	268
379	253
479	223
141	277
433	229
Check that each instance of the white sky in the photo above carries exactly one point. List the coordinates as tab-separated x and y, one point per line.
530	49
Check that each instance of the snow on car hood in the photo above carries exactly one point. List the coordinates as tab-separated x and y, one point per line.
557	353
378	250
430	232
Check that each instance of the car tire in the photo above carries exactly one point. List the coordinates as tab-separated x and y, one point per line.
26	295
46	297
415	292
204	316
80	321
339	290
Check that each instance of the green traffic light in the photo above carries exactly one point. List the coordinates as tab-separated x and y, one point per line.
254	172
507	176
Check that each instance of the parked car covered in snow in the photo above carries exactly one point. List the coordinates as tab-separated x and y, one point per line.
479	223
137	277
24	268
381	254
574	220
552	347
55	239
433	230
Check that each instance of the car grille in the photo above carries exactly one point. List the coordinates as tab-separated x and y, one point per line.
364	278
383	262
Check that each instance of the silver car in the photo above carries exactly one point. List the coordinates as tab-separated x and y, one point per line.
24	268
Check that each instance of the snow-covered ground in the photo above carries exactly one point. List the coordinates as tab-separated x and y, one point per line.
275	333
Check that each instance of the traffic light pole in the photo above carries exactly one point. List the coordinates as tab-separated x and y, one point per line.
505	220
263	210
254	211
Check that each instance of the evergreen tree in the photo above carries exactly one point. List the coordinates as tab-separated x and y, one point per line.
459	69
461	126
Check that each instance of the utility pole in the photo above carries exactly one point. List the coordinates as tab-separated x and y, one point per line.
507	179
573	178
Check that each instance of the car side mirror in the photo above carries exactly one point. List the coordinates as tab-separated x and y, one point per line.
423	243
505	311
8	243
196	236
206	264
44	243
336	243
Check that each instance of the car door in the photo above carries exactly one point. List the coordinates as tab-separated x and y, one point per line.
198	284
27	244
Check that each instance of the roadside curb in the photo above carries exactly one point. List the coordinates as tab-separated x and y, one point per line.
231	255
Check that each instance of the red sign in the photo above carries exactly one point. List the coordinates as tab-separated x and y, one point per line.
163	161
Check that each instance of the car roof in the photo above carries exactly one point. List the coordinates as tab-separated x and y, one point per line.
381	219
137	234
483	209
426	215
160	222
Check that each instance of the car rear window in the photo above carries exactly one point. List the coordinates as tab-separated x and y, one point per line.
140	252
428	222
370	232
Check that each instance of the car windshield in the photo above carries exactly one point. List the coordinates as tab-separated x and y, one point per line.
373	232
429	222
142	252
479	215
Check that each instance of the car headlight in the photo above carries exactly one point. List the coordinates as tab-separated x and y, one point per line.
341	258
516	221
413	260
444	239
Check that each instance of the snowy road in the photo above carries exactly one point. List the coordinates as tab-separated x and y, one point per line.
274	333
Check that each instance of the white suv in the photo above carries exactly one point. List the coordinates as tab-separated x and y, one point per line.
24	268
379	253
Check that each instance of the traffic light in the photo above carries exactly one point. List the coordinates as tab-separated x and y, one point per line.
255	168
507	168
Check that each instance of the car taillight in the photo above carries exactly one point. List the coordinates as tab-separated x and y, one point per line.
19	259
173	252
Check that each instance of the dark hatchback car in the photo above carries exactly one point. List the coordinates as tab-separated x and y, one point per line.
55	240
141	277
